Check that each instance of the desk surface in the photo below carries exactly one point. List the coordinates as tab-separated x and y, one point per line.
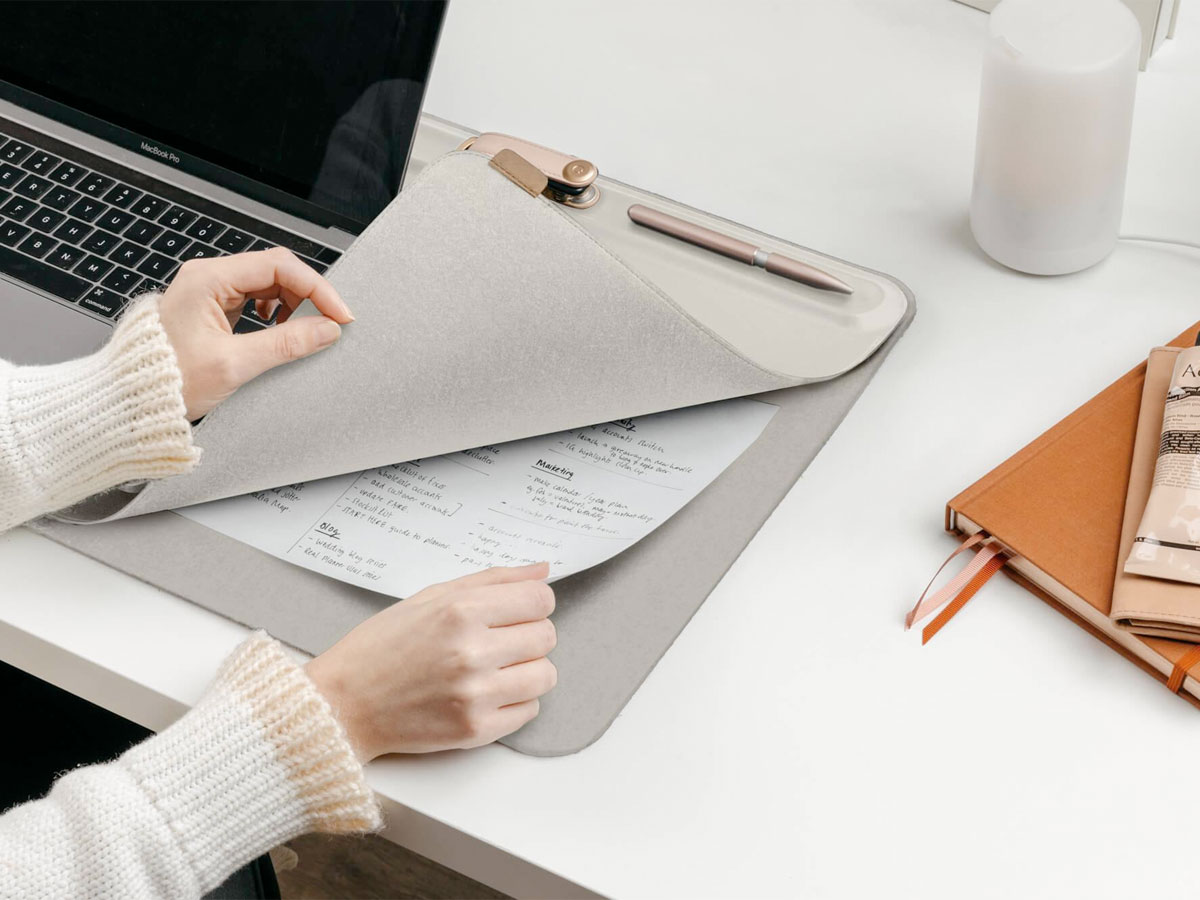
795	740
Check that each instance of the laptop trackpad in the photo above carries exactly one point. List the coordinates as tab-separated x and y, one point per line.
36	330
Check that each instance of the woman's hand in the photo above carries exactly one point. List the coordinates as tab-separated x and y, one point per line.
201	305
458	665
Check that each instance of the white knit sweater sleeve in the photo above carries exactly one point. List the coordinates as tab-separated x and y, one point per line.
259	760
74	429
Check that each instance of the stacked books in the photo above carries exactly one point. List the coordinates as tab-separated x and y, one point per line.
1055	518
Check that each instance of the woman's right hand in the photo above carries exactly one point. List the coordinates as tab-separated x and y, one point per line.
457	665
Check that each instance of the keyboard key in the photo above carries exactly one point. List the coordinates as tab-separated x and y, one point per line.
122	196
128	254
149	207
47	278
15	151
88	209
148	285
143	232
177	218
4	195
251	313
11	232
171	243
18	208
100	242
59	197
10	175
205	230
115	220
198	251
328	255
68	173
32	187
121	280
45	219
233	241
37	245
158	266
72	231
102	300
93	268
95	185
320	267
65	256
245	326
260	244
41	162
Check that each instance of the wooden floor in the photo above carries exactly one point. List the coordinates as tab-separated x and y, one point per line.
368	867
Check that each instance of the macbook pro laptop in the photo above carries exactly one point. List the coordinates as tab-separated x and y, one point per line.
135	136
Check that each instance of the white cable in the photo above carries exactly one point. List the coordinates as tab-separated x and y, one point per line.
1150	239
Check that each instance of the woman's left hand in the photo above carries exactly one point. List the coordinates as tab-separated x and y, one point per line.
201	305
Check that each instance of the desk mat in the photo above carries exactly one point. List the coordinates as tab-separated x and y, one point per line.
614	621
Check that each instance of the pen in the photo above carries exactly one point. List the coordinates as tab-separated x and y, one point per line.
742	251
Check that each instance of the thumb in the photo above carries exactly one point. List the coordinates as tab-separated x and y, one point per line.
291	340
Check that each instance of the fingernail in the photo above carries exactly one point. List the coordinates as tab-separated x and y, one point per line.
346	310
328	331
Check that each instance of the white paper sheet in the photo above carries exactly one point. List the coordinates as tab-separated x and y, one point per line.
575	499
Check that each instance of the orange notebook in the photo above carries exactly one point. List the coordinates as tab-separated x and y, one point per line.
1055	509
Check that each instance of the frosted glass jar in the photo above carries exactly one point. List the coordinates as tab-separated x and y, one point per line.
1055	115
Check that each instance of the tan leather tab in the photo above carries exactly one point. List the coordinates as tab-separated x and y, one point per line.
1180	670
519	171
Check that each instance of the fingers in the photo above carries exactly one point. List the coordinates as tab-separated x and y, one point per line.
259	351
271	274
499	605
495	575
515	644
523	682
510	718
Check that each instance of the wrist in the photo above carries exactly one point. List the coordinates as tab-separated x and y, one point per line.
331	683
84	426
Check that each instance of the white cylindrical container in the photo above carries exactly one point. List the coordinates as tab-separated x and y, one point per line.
1055	114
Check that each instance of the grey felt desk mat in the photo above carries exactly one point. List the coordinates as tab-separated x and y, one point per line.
614	621
486	315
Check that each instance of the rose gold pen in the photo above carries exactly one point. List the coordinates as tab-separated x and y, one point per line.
742	251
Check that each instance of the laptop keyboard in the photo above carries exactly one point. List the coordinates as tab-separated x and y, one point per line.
94	239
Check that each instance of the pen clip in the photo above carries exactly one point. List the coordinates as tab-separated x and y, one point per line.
570	180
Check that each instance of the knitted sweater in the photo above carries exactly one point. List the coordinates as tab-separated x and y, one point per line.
260	759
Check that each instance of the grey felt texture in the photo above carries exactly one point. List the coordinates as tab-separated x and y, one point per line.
484	315
614	621
447	289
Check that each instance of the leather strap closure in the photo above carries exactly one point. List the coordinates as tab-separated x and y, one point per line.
519	171
1181	668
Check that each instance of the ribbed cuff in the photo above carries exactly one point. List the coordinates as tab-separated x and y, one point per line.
81	427
260	759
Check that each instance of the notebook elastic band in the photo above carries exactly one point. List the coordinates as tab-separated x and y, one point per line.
1180	670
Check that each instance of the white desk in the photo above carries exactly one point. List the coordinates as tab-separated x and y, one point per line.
795	740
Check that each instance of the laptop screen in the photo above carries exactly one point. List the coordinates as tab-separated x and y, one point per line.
308	106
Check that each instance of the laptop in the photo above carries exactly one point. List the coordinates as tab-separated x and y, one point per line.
135	136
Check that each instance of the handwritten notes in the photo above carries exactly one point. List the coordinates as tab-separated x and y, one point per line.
575	499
